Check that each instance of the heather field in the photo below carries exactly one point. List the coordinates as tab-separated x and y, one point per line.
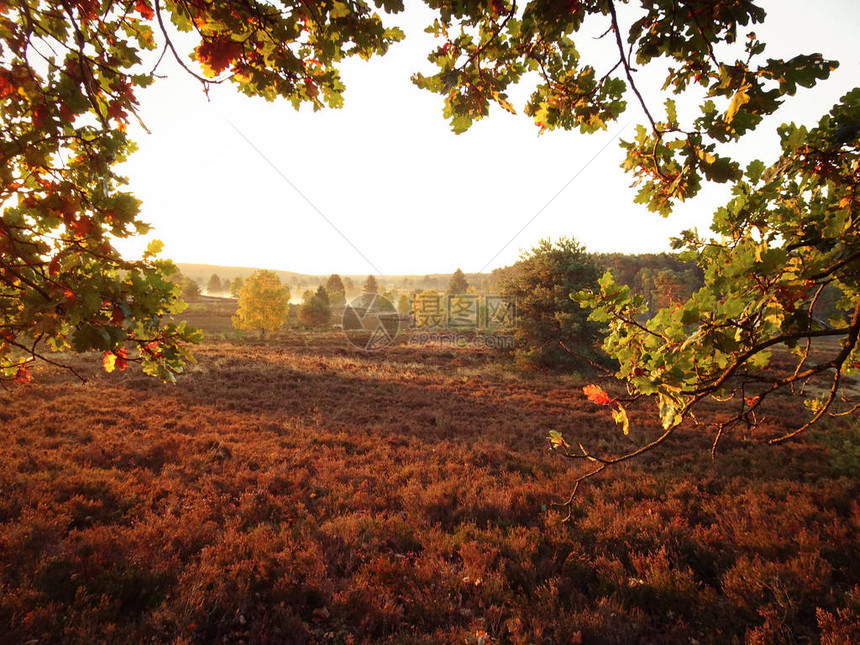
296	490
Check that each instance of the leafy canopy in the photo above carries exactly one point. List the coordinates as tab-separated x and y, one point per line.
69	73
789	233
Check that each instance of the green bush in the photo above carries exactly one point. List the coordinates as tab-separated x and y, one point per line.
551	329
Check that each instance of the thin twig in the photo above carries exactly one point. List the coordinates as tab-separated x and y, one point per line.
627	68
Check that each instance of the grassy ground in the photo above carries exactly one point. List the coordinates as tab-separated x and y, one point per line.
300	491
214	316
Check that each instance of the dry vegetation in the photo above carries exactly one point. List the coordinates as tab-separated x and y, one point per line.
298	491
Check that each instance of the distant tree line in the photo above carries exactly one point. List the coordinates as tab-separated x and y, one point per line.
662	279
551	329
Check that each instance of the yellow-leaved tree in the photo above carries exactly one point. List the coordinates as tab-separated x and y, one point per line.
264	303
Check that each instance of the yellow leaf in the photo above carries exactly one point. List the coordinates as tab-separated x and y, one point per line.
775	313
504	103
620	417
556	440
706	157
541	116
109	361
738	100
339	10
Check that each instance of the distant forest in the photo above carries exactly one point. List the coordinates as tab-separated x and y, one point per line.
661	278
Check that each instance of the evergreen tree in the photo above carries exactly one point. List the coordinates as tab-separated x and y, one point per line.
540	286
336	290
214	284
370	285
458	283
315	310
190	290
322	294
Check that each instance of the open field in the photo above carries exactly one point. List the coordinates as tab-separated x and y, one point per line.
300	491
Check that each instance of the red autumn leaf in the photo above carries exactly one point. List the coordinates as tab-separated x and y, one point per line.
218	53
65	111
23	375
39	113
87	10
144	9
54	265
83	226
115	359
153	350
124	89
6	87
310	88
68	206
596	395
121	359
116	111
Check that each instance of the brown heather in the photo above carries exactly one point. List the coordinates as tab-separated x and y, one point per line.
297	491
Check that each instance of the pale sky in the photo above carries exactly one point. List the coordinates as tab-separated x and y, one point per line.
386	173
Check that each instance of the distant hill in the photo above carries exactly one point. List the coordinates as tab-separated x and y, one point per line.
637	270
301	281
202	272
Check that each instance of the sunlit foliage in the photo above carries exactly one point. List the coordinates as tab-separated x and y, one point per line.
264	303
